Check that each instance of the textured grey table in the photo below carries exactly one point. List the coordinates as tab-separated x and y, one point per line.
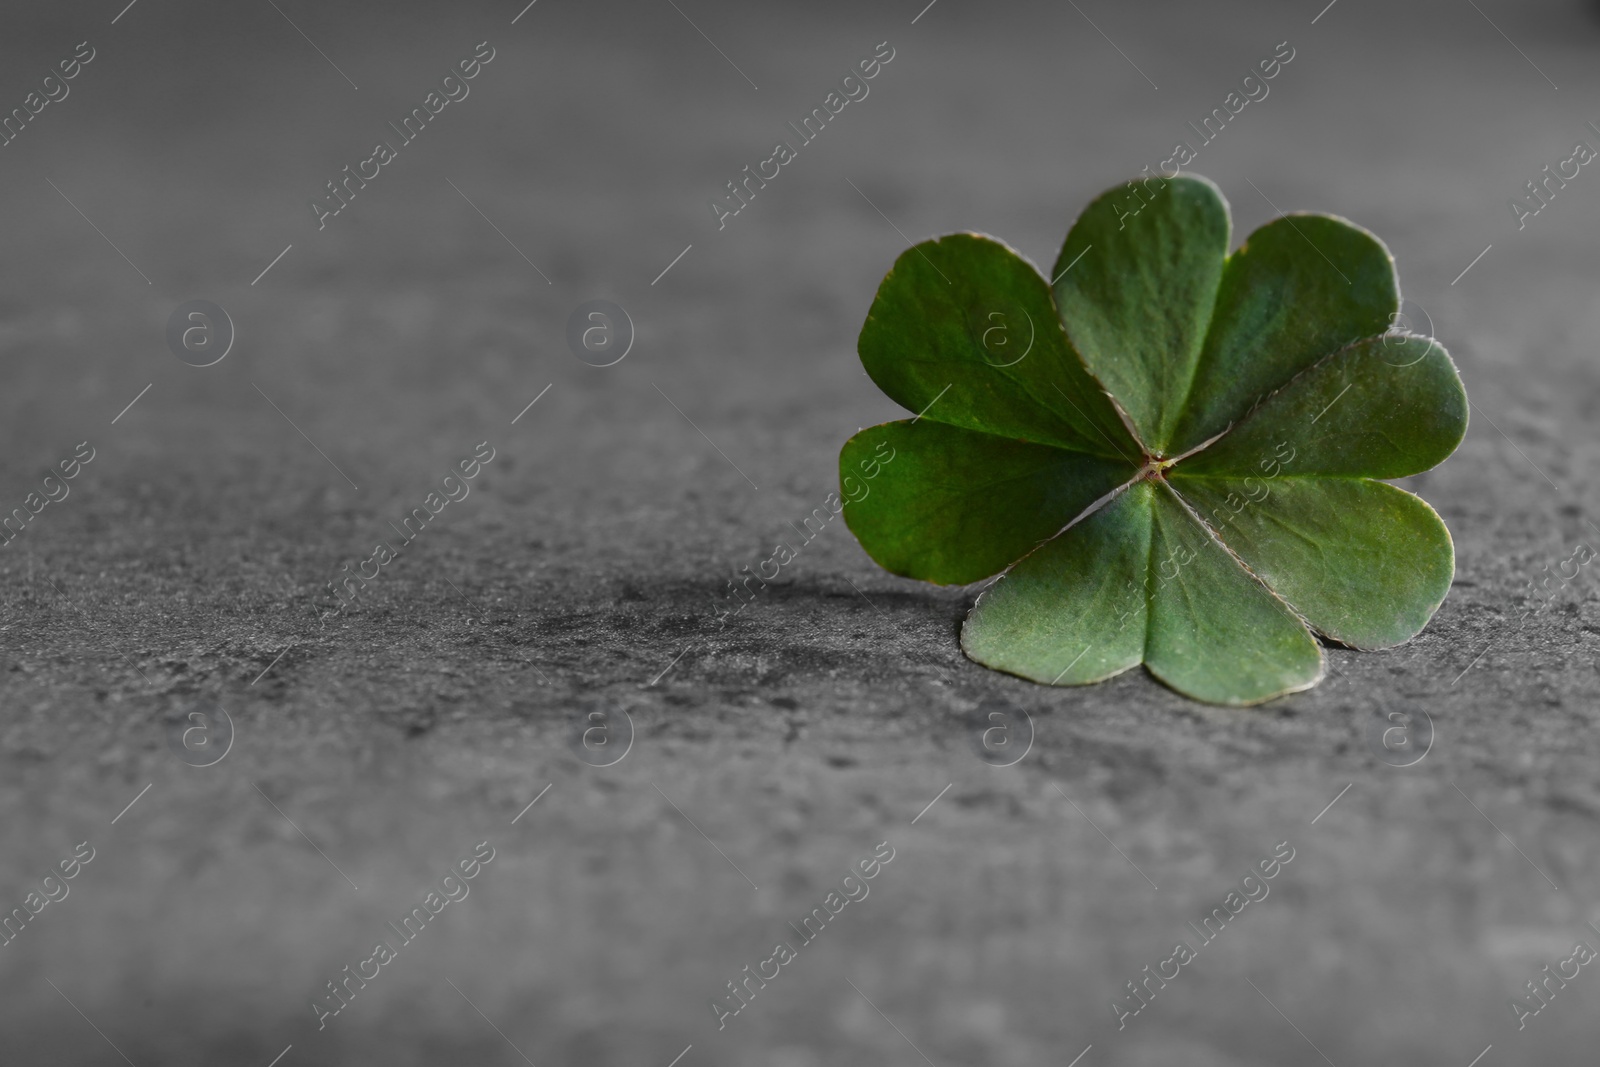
373	751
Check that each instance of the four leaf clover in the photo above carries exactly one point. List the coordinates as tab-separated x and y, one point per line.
1170	455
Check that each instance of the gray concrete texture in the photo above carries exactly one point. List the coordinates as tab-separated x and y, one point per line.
373	751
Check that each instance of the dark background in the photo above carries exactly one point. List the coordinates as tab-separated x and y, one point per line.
182	570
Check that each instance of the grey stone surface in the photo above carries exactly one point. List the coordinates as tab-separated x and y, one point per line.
376	749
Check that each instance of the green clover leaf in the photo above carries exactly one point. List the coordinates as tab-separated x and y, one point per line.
1170	455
